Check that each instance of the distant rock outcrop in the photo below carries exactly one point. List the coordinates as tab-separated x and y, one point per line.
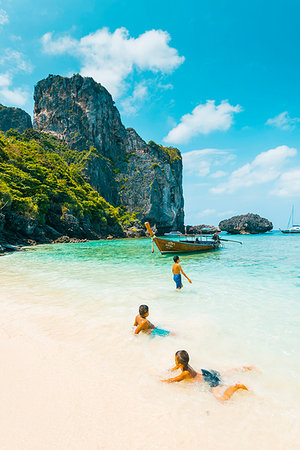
204	229
145	178
246	224
14	118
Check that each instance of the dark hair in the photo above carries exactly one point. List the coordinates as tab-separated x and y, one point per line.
175	258
182	357
143	309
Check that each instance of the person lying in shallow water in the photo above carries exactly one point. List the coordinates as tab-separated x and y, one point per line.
143	324
212	377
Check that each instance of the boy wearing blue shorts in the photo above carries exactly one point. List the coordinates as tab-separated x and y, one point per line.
177	271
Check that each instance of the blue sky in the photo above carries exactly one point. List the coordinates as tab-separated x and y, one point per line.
217	79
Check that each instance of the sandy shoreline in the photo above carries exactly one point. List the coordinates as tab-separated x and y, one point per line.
63	387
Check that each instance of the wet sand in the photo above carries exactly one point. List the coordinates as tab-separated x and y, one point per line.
73	376
65	384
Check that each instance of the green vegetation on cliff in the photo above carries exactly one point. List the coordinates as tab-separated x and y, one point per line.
40	175
171	152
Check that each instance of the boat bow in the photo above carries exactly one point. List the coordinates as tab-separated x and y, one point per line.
184	244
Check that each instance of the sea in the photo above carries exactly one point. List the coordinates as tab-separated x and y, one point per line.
76	377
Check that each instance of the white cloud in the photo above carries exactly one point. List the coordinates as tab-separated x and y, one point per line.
227	213
218	174
15	61
265	167
11	96
204	119
288	184
200	162
3	17
15	37
213	212
5	80
283	121
111	57
206	212
131	104
165	87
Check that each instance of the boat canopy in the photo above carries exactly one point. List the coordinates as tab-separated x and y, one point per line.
195	237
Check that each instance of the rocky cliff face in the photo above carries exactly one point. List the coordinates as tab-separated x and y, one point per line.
204	229
146	178
14	118
246	224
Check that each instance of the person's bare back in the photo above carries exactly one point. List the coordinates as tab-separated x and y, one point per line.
177	271
142	324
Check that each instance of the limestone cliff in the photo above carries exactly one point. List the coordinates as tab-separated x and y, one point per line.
146	178
201	229
14	118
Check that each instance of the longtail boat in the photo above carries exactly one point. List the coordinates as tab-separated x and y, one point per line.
291	229
184	243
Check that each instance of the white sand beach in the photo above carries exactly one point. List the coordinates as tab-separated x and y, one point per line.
73	376
68	382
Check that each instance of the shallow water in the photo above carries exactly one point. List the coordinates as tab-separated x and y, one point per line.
79	302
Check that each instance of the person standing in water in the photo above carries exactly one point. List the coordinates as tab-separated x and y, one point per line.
216	238
177	271
211	377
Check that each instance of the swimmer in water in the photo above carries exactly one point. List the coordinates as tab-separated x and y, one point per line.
216	237
143	324
177	271
212	377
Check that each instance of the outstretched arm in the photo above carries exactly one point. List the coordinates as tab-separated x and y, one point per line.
190	281
180	377
140	327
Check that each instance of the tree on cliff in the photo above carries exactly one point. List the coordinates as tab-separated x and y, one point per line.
40	180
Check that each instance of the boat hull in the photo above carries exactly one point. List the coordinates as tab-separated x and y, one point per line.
169	246
290	231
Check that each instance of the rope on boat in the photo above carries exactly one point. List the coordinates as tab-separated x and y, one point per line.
152	238
230	240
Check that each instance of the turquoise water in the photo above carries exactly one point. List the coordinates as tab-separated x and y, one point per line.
255	286
243	307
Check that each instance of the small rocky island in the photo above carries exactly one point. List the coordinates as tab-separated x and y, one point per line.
14	118
201	229
246	224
